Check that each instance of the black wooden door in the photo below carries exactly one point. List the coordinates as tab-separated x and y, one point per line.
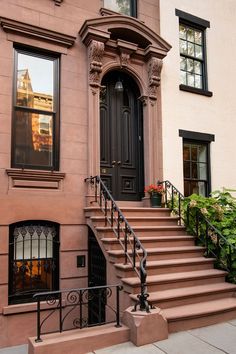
121	138
96	277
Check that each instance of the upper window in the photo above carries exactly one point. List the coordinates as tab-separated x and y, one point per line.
33	259
192	46
35	117
125	7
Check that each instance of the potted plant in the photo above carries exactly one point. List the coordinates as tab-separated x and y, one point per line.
155	191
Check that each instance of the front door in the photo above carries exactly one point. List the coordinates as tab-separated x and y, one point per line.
121	137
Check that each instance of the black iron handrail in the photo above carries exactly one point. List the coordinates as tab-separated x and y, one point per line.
131	245
72	308
204	230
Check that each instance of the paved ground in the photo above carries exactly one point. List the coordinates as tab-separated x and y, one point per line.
217	339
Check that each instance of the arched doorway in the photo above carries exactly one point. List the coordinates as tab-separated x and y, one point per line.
121	137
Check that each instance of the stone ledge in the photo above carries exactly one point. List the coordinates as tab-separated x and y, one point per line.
35	179
24	29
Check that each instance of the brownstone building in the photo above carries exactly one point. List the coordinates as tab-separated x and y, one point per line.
80	96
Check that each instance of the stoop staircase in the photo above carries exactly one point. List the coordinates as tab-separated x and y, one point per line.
180	280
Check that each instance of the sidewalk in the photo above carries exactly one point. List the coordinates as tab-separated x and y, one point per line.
217	339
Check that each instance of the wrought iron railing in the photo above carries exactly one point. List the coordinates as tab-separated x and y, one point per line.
134	252
206	233
62	310
173	199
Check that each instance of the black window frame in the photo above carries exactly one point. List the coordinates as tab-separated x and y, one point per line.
198	24
54	113
204	139
133	9
27	296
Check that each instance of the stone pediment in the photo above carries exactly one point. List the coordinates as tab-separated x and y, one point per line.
115	29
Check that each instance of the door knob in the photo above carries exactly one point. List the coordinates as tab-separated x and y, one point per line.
113	163
118	162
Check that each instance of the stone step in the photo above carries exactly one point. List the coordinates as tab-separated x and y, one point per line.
185	296
140	220
175	280
117	256
112	243
146	230
131	211
181	318
167	266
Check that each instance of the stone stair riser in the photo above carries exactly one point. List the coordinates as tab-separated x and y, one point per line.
175	285
165	270
149	244
192	299
196	322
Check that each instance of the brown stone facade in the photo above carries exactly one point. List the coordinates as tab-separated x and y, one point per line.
77	33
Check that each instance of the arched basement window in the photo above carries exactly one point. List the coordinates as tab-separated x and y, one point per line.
33	259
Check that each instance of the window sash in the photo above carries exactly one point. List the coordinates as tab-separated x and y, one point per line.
31	158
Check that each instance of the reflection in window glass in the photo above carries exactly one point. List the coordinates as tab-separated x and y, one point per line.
36	123
34	82
33	139
121	6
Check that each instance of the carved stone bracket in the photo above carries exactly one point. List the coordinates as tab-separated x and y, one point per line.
154	73
96	51
124	59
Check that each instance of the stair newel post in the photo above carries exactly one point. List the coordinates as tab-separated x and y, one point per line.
144	306
126	243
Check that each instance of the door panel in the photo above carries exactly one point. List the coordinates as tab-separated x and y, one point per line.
121	138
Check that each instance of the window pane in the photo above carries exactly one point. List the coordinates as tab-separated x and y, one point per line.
186	152
197	67
190	49
183	46
194	153
194	170
33	139
182	31
202	153
122	6
198	37
183	63
198	81
187	169
190	80
183	79
198	51
202	171
190	35
34	82
190	65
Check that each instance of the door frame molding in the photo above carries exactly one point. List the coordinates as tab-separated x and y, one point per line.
142	61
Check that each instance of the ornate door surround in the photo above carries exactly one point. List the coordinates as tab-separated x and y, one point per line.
124	43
